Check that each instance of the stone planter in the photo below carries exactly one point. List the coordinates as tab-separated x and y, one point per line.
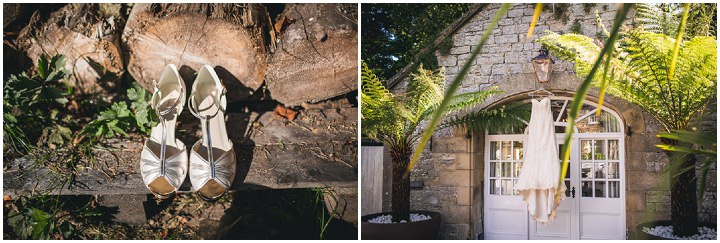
420	230
645	236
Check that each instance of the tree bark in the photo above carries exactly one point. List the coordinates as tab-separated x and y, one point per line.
316	54
683	202
232	38
400	186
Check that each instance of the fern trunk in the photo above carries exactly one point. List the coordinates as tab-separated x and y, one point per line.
684	198
400	186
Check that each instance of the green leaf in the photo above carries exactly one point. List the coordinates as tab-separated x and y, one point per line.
40	224
58	135
43	66
54	94
137	95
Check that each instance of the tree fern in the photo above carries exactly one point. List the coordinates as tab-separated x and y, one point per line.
656	20
639	72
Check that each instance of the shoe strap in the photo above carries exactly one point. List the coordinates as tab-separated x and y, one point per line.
157	95
220	102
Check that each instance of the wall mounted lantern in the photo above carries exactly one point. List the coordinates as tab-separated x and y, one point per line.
542	64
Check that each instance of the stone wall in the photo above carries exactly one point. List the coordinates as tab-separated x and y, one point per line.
451	167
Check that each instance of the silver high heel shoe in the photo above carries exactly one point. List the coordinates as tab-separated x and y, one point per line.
164	160
212	159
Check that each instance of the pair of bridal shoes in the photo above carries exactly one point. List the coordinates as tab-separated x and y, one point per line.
164	162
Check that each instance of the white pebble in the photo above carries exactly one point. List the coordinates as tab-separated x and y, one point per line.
704	233
387	219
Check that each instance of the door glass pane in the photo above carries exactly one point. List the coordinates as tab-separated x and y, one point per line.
613	170
517	150
614	189
494	169
609	122
560	151
600	189
599	150
518	169
506	150
515	192
506	187
494	150
586	149
613	150
600	170
587	189
587	170
506	169
494	186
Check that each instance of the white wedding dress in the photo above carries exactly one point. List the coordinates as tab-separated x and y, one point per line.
541	169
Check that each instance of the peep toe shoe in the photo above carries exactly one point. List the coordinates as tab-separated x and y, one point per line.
164	159
212	159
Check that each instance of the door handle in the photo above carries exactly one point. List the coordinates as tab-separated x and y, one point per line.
573	192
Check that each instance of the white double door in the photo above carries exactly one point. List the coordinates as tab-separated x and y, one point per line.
593	207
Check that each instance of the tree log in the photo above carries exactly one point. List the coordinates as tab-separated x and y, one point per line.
88	36
316	56
229	37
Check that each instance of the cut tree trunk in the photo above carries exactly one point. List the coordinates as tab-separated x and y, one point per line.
230	37
316	54
400	186
683	202
87	34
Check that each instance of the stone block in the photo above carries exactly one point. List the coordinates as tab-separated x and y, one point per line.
515	13
500	69
449	60
464	196
529	11
635	200
487	61
634	120
454	178
515	68
644	180
514	57
642	143
460	50
453	214
504	39
463	161
657	196
450	144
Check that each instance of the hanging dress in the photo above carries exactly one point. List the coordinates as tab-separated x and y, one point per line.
541	170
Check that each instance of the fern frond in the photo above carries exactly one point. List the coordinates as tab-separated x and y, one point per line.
504	119
639	71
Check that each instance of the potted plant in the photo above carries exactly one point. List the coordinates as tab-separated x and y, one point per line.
395	120
675	93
